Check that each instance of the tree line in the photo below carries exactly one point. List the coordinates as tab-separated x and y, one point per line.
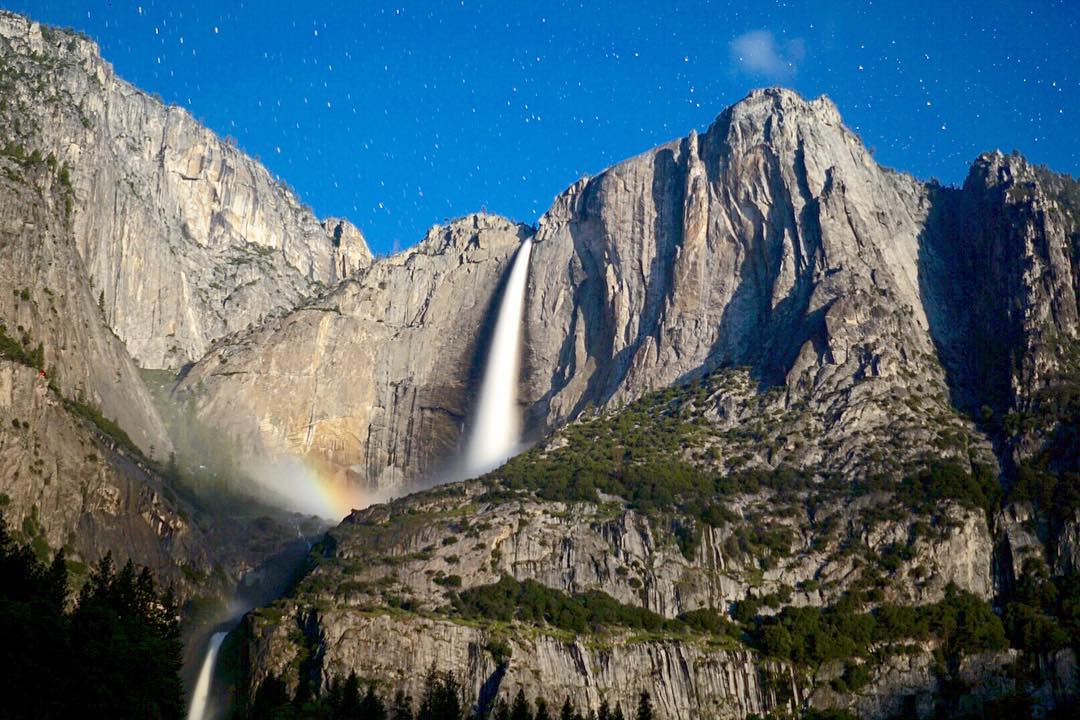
442	698
115	652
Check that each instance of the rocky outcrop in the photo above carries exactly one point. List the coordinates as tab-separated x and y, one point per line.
379	600
184	237
636	559
63	485
78	431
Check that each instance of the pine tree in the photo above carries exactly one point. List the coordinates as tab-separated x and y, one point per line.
605	711
441	700
116	654
618	714
502	711
349	709
567	712
520	710
541	710
644	708
402	707
270	699
56	585
304	695
372	707
334	696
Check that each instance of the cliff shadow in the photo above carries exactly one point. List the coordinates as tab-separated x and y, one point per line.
969	328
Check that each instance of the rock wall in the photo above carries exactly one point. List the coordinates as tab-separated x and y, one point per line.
1007	325
184	237
77	425
772	240
45	300
579	547
684	679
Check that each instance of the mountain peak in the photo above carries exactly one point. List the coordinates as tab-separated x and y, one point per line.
780	101
998	168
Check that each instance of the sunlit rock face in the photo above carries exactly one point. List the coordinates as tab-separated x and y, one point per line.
103	249
375	380
185	237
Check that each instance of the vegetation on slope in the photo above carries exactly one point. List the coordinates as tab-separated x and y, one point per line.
659	453
533	603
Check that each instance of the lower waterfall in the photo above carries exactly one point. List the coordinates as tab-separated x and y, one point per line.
201	695
496	430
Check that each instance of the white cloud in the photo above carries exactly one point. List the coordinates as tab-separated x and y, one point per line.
758	53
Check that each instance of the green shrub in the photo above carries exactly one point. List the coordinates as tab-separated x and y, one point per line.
531	602
964	623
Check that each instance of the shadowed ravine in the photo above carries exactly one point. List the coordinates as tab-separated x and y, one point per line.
262	585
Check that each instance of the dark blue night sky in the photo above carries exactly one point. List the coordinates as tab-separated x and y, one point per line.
397	116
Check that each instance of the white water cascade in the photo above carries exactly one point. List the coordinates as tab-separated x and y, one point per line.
199	698
496	430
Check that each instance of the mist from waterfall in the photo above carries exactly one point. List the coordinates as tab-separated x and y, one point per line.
201	696
496	431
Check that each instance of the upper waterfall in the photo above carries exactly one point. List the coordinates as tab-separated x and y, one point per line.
496	430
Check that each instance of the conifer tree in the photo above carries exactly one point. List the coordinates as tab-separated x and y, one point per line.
350	698
401	709
644	708
520	710
372	707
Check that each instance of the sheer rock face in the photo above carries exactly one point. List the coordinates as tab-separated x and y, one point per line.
85	494
185	237
63	479
58	475
772	240
45	300
64	483
374	378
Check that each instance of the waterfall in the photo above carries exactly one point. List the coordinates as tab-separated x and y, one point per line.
206	675
496	429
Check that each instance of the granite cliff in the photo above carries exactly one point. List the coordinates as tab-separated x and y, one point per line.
121	221
804	428
185	237
773	241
